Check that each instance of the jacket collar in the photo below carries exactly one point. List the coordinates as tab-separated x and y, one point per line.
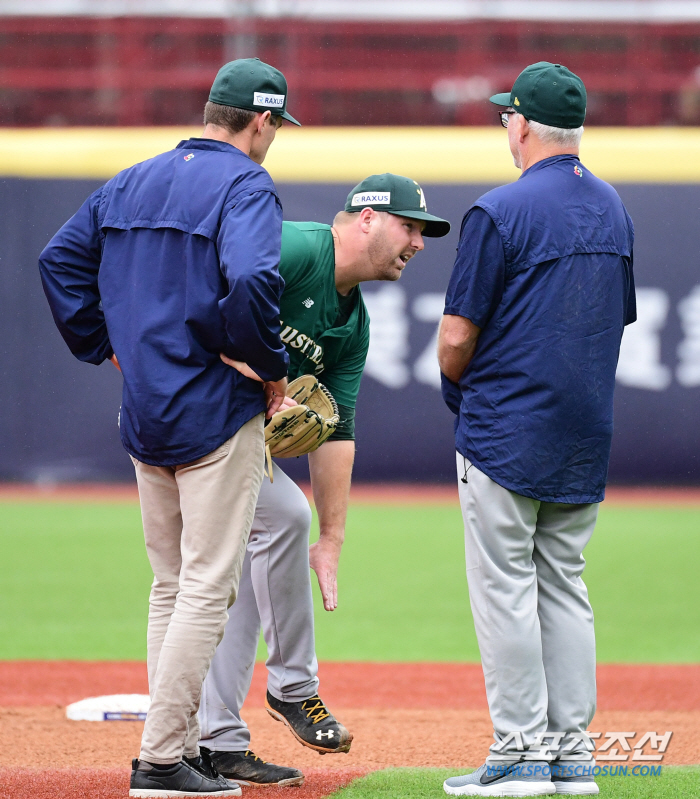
548	162
196	143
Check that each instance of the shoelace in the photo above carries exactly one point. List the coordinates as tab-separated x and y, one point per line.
316	711
248	753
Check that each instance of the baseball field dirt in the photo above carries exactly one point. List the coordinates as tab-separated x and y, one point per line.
445	724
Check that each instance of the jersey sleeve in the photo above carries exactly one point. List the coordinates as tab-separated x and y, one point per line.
478	276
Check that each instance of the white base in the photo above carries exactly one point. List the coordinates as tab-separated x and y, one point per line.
510	788
117	707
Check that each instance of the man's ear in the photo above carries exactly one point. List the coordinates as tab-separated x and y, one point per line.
524	128
366	217
262	120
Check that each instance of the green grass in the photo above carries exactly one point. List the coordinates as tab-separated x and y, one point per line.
672	783
74	583
403	592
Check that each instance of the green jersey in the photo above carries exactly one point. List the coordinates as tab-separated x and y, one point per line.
325	334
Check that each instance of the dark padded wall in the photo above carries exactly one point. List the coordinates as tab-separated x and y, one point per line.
58	417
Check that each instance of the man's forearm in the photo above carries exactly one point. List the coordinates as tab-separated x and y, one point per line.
330	468
456	344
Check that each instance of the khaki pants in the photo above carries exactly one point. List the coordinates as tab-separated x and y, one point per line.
196	521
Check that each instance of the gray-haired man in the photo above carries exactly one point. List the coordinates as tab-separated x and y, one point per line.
540	293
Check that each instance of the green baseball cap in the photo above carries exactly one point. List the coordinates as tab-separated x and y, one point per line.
547	93
396	195
251	84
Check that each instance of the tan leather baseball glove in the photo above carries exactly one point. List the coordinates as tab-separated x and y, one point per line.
305	426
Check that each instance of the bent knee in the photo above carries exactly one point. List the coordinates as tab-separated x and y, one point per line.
298	517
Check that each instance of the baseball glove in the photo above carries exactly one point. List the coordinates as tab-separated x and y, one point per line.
305	426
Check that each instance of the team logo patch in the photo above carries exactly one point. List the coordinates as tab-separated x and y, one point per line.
423	204
189	157
372	198
269	100
578	171
516	101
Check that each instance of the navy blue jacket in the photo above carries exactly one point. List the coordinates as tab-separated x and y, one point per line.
544	268
168	264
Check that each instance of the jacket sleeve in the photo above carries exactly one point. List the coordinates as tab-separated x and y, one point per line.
249	252
451	394
69	267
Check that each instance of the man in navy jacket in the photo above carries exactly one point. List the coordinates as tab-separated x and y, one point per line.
540	293
169	264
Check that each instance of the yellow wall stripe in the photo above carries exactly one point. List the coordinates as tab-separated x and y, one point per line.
321	155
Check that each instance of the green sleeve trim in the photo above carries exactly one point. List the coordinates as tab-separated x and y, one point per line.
346	427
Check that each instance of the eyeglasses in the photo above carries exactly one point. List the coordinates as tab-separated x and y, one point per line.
504	115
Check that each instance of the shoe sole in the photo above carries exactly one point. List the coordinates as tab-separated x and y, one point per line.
154	793
281	784
577	788
511	788
323	750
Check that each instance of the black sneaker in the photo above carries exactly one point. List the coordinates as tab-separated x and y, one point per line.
202	763
246	768
311	724
180	779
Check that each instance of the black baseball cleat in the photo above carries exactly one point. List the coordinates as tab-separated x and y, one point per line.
311	723
149	781
246	768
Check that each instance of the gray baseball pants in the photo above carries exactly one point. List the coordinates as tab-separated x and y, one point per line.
196	520
275	592
533	620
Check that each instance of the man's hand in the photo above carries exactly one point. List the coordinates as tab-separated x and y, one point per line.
330	469
323	559
115	362
274	390
275	396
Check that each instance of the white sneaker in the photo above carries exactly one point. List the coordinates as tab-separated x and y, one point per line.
529	778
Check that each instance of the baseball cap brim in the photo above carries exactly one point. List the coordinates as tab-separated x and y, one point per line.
435	227
500	99
286	115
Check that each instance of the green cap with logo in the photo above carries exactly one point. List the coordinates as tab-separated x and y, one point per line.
253	85
547	93
396	195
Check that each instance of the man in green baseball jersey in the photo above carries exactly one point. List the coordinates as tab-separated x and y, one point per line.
325	328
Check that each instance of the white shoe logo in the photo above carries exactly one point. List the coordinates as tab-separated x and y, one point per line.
320	734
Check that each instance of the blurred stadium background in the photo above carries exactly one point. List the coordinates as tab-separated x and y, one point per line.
88	87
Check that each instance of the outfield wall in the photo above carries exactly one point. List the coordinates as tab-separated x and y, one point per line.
58	416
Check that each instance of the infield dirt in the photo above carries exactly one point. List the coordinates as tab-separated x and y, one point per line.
408	714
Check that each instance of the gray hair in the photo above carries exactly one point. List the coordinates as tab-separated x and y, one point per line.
563	137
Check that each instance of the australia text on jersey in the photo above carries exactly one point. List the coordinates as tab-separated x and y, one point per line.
304	343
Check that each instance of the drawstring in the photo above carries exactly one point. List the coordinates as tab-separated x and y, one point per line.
466	470
268	462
